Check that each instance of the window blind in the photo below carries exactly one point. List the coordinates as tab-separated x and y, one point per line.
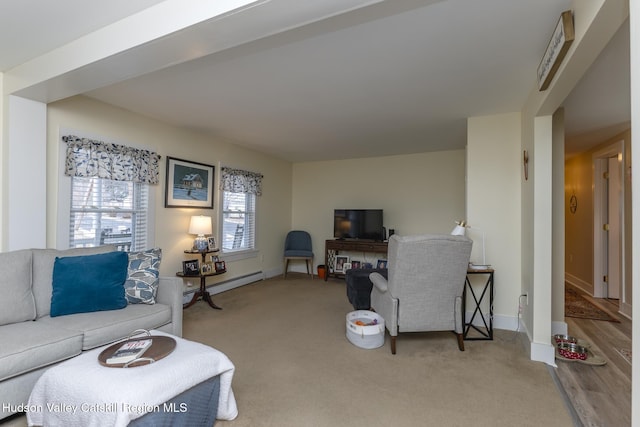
108	212
238	221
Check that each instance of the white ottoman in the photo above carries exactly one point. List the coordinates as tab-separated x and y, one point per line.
80	391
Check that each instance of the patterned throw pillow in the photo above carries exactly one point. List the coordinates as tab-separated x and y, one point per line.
141	286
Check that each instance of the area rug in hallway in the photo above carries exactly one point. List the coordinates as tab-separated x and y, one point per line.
625	353
576	305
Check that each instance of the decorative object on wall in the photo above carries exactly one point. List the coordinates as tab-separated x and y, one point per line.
188	184
573	204
459	229
557	48
525	162
200	225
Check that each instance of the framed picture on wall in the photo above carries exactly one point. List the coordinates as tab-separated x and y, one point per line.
188	184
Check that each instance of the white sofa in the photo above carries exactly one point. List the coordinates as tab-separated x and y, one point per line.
32	341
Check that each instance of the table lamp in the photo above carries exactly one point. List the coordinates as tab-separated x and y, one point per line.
200	225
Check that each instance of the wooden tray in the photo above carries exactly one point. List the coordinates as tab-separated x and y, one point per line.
161	347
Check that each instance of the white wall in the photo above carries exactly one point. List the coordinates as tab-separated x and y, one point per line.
493	205
419	193
26	195
3	162
88	116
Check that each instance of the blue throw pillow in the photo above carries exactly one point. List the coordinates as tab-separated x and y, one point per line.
87	283
141	286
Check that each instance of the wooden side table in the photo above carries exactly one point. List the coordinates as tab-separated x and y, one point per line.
202	292
486	333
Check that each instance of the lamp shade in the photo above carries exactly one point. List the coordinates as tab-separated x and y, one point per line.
200	225
459	229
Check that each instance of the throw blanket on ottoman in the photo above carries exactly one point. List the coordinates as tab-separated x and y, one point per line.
82	392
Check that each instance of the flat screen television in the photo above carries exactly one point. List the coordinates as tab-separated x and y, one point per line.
363	224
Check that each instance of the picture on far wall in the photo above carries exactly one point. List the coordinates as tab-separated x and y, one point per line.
188	184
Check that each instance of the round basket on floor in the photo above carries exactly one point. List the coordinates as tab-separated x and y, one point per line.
365	329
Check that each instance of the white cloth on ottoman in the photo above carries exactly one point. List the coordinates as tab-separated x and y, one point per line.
82	392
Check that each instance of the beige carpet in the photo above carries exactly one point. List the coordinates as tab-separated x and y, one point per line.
295	367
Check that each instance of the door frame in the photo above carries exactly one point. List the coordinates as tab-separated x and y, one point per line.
600	160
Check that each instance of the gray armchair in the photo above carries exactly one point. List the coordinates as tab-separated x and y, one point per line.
424	290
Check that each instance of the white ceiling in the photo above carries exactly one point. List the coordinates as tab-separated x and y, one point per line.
397	77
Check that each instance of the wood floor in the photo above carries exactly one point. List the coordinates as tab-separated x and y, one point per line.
600	395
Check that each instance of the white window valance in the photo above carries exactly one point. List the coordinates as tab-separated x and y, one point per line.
91	158
241	181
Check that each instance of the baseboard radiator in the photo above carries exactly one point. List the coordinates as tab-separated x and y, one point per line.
226	285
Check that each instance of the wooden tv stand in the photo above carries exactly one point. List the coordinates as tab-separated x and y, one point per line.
333	247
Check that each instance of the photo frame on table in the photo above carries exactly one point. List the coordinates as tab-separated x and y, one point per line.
207	268
340	261
188	184
355	264
347	266
220	266
382	263
211	243
191	267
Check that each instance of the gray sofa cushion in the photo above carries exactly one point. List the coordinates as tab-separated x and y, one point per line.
103	327
16	303
30	345
43	260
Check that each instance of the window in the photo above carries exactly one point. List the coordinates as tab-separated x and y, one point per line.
108	212
238	221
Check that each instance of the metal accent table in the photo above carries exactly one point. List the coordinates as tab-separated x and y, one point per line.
486	333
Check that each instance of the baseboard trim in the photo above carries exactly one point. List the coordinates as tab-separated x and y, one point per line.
500	321
543	353
579	283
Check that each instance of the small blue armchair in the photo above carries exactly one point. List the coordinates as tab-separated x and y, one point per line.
297	246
